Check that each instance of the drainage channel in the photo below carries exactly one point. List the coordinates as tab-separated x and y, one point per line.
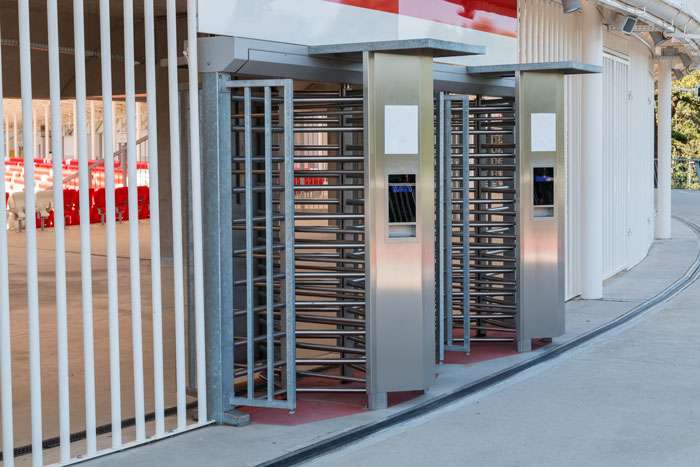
351	436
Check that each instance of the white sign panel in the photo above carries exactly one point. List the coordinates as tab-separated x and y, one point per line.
401	129
543	132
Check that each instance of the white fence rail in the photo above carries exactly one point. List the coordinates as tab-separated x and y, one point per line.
79	414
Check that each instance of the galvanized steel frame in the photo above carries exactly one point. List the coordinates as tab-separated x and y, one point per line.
453	190
286	115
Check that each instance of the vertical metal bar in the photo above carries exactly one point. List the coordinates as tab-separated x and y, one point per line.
75	125
156	300
465	224
93	139
46	124
139	152
85	245
134	255
270	347
197	243
449	216
59	220
290	289
441	228
15	139
6	129
30	209
35	138
176	192
250	315
112	275
5	342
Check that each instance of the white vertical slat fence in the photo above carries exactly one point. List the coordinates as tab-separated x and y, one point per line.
196	177
85	251
176	191
59	233
31	251
156	303
5	335
78	416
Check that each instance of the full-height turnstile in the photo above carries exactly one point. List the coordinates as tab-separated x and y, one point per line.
341	208
477	192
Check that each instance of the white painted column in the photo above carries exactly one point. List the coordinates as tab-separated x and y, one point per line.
663	192
592	157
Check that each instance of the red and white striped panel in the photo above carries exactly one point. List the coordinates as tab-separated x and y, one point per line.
495	16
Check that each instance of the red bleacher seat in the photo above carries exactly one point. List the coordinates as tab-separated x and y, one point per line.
97	208
144	202
71	206
121	203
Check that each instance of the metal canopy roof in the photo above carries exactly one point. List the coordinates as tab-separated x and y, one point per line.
433	47
564	68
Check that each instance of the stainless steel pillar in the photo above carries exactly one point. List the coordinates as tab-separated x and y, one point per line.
400	223
542	204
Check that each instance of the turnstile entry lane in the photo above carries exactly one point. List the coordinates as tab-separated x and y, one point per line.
330	243
477	192
493	227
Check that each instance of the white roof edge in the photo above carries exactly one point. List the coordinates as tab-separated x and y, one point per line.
683	23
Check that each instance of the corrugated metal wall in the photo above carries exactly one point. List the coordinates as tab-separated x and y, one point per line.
546	34
640	150
615	163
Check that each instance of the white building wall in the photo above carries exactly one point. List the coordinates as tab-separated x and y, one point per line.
629	197
615	163
546	34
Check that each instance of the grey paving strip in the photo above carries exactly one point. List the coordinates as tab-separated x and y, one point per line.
353	435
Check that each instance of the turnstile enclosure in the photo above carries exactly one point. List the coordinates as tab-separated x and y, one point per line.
296	167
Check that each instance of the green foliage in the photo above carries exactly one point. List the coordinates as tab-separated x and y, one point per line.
686	131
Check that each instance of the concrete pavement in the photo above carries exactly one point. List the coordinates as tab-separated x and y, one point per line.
626	399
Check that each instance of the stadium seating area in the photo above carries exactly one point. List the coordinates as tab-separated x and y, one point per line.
45	212
43	181
43	174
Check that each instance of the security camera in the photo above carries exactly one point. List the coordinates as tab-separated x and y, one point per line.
571	6
625	23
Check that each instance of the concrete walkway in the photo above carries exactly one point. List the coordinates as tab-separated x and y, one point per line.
628	398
